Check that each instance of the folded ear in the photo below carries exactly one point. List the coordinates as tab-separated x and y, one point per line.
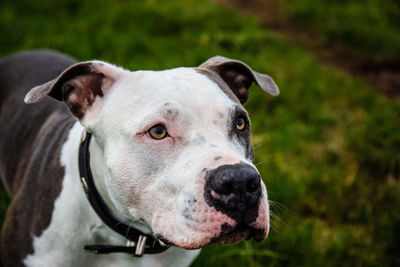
239	76
80	86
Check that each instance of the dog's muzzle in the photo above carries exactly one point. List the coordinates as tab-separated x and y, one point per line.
234	190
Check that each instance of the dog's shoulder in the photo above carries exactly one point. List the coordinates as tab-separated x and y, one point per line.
37	184
30	135
21	124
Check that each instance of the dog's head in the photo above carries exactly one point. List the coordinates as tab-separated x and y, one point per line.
176	155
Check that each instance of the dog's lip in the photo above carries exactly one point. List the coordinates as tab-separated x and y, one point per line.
233	237
165	241
227	236
238	233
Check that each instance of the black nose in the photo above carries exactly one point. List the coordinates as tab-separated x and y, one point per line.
233	188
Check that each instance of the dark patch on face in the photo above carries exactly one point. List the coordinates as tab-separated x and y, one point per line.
213	145
190	202
172	112
203	170
217	158
167	103
234	190
244	136
199	140
221	115
186	214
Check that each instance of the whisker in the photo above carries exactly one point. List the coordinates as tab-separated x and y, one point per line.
262	162
278	205
276	221
258	146
127	232
276	218
126	220
273	228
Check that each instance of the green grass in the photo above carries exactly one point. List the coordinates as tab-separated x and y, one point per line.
366	27
327	147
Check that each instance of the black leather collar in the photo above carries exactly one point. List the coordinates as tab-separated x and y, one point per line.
138	243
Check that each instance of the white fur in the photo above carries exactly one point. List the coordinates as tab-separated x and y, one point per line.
145	182
74	224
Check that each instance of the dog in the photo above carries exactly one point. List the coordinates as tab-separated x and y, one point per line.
150	167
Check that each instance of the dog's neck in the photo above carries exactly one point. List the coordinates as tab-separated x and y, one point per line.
98	168
73	214
99	171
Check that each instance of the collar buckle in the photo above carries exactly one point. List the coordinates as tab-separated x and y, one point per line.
136	249
139	245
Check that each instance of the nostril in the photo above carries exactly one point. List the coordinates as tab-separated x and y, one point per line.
225	188
252	182
252	186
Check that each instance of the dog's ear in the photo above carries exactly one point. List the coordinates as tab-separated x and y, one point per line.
80	86
239	76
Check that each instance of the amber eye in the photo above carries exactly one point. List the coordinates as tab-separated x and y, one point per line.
158	132
240	123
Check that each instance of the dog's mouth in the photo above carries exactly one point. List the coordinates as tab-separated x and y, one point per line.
228	235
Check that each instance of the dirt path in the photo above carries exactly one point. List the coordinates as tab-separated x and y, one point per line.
383	75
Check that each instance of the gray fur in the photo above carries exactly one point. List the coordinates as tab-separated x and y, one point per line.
199	140
30	136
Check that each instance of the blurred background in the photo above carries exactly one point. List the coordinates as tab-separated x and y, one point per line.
328	147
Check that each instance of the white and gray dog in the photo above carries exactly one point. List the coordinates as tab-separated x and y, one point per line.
158	163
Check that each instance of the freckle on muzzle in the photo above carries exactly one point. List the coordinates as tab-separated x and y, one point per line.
234	190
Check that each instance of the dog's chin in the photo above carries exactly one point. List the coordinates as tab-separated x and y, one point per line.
231	235
227	236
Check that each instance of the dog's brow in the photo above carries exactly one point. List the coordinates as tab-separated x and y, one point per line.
238	110
171	112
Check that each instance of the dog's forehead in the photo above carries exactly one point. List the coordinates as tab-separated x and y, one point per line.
181	87
182	83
